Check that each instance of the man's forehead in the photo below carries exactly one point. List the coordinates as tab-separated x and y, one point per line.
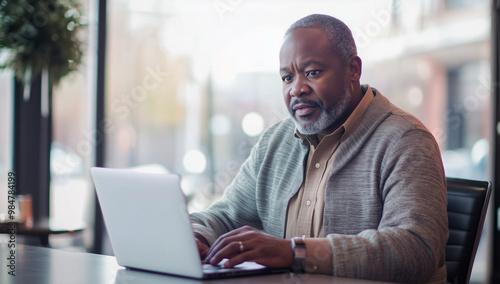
305	35
305	42
302	62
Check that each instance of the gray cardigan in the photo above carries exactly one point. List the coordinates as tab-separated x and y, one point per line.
385	206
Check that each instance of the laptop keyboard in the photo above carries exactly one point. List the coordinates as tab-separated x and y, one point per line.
213	267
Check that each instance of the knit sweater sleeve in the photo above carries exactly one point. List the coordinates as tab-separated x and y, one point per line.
408	245
236	208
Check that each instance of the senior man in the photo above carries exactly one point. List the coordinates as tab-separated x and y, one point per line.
350	185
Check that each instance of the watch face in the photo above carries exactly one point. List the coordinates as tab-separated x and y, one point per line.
300	252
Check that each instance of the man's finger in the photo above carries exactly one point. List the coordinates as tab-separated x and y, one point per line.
202	248
232	233
226	249
229	251
227	239
249	255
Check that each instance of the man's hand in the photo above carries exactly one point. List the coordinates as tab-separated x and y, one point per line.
248	244
202	244
202	249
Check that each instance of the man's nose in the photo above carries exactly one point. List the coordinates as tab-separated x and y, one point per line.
299	88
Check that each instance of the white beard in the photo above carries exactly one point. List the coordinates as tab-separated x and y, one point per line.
326	117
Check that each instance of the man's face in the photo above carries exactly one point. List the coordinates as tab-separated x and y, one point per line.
316	87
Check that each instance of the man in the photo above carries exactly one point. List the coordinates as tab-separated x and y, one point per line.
350	185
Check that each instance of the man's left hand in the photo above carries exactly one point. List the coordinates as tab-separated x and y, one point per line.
249	244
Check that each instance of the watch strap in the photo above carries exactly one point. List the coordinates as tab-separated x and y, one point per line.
299	254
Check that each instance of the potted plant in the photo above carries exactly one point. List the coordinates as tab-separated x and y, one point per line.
40	37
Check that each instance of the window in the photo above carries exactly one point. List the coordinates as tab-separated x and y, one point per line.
72	149
465	3
6	122
469	94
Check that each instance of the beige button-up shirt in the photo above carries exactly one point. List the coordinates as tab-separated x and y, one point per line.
305	210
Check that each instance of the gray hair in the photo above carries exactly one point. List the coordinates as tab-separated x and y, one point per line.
338	33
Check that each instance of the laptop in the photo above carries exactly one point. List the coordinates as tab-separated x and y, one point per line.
149	226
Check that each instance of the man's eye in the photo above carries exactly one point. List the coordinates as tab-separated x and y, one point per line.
312	73
286	79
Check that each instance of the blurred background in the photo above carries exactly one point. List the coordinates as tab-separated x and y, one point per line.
190	85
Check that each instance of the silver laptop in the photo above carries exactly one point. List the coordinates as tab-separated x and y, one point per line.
149	226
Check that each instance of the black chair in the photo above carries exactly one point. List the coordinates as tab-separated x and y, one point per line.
467	205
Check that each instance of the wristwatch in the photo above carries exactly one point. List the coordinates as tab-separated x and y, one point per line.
299	254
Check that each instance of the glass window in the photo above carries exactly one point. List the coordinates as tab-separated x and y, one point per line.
465	3
71	202
6	122
72	149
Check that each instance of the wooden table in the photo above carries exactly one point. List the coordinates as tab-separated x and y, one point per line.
40	229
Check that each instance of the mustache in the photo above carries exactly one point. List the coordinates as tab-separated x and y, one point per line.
304	101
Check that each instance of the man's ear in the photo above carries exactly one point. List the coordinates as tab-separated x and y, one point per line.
354	66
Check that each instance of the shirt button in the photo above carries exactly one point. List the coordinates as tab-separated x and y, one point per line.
308	202
317	165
